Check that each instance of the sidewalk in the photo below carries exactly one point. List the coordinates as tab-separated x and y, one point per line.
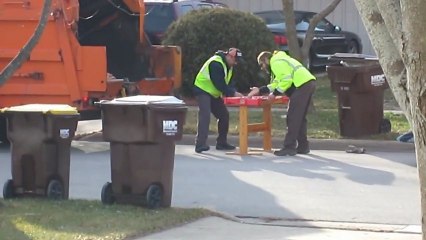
213	228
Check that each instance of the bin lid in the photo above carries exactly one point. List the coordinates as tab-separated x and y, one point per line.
57	109
145	100
354	60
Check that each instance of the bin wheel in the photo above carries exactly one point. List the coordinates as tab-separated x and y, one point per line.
107	196
385	126
55	190
154	196
8	190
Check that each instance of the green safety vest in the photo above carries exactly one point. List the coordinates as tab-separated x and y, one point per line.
287	71
203	80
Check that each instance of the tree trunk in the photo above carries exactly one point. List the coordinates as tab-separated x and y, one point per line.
300	51
385	48
307	42
291	33
414	56
396	29
24	54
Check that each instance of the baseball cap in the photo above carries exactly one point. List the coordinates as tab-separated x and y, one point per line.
235	52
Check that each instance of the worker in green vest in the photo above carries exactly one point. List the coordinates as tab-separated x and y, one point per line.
289	77
214	81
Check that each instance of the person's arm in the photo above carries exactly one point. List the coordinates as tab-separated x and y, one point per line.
217	75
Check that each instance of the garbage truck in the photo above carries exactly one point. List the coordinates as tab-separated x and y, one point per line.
90	50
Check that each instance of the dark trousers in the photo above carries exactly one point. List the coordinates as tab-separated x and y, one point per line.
296	116
206	105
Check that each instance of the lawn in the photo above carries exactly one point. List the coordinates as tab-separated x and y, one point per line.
22	219
323	122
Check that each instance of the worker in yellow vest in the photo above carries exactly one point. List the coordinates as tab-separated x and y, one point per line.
290	77
213	81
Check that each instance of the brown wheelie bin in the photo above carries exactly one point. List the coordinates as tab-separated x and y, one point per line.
360	83
40	136
142	131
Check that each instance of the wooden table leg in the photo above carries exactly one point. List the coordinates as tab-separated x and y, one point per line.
267	133
243	129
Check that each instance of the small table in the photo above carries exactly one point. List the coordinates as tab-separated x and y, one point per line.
245	127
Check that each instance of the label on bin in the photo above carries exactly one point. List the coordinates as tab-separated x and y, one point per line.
378	80
170	127
64	133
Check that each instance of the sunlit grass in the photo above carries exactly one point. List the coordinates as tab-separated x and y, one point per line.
78	219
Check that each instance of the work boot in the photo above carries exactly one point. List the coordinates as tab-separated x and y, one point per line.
224	146
303	150
201	148
285	152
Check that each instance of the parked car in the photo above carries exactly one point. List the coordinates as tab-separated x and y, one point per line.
328	38
160	14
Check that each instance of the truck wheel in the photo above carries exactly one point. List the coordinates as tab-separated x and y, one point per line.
55	190
107	196
385	126
154	196
8	189
3	131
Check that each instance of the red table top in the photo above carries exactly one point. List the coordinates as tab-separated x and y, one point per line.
253	101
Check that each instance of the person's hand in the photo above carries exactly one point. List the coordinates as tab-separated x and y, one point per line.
254	91
237	94
271	97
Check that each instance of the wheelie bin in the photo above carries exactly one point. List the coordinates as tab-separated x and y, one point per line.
360	83
40	138
142	131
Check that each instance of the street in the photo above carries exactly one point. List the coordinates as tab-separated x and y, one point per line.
324	186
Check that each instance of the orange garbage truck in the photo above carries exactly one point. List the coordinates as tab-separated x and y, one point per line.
90	50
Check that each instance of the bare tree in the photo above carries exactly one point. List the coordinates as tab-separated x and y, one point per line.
396	29
24	54
301	53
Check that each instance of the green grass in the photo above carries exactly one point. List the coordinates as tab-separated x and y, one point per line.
78	219
323	123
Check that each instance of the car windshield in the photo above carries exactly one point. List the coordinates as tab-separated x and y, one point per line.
158	17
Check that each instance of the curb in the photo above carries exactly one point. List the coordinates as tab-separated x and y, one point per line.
315	144
348	226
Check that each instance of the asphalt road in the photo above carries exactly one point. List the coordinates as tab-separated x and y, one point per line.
327	185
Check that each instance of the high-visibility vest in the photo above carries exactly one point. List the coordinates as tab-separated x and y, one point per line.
286	71
203	80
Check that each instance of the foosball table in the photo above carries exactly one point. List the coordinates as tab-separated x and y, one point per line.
244	103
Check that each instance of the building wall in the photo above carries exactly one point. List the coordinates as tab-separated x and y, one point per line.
345	15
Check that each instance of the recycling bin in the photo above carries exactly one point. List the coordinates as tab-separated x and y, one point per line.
360	83
40	138
142	131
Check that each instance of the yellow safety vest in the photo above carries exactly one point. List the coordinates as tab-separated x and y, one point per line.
287	71
203	80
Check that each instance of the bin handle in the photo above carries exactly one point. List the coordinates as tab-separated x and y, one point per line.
346	108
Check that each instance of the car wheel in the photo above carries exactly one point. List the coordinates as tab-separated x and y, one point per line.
154	196
353	47
107	196
8	189
55	190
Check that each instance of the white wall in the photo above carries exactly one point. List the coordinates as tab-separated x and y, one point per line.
345	15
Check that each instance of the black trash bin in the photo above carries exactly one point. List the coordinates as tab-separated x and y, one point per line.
142	131
360	83
40	137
